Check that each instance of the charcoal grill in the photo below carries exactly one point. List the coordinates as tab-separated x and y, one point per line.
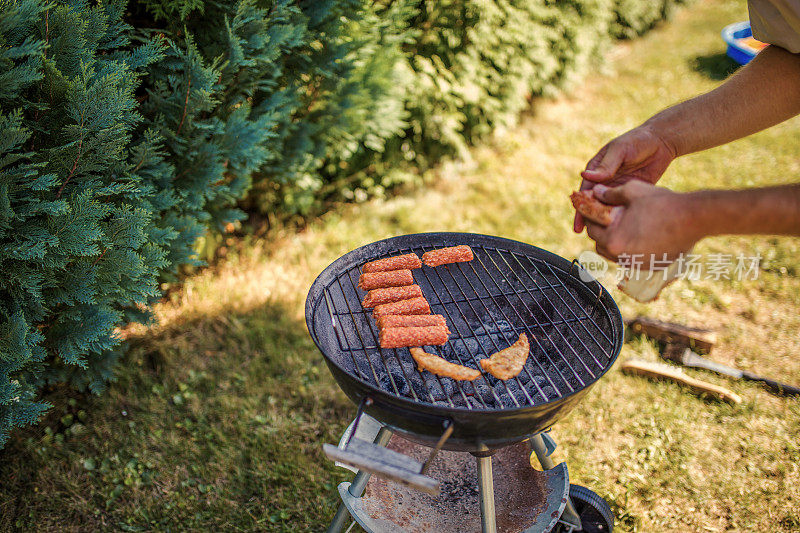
574	327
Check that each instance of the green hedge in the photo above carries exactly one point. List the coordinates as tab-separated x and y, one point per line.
130	129
475	64
633	17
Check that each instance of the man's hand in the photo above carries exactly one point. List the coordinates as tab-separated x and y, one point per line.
638	154
761	94
653	221
656	221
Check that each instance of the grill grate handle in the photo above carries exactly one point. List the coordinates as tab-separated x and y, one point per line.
376	459
383	462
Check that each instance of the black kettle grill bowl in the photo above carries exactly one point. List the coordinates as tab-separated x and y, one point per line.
574	327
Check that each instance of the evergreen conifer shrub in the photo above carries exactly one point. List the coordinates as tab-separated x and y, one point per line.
128	129
476	63
78	246
122	146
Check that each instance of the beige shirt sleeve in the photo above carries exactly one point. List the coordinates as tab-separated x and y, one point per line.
776	22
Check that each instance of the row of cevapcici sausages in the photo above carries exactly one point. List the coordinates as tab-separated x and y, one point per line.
402	313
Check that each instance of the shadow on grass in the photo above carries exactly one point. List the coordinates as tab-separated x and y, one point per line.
715	66
215	423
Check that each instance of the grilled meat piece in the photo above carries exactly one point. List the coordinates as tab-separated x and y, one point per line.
507	363
389	278
436	365
414	336
591	208
391	294
398	262
443	256
405	321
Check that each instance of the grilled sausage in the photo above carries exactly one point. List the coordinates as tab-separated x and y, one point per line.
405	321
443	256
398	262
422	336
391	294
414	306
380	280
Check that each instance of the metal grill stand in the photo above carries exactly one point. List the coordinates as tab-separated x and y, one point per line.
530	501
486	486
359	483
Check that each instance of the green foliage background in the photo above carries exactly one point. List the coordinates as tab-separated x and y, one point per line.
129	129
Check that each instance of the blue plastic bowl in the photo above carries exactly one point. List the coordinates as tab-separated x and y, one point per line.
731	35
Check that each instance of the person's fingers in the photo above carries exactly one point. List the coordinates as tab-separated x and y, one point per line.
596	232
602	250
594	161
601	236
616	213
606	168
613	195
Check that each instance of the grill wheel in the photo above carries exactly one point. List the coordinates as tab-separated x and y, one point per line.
595	513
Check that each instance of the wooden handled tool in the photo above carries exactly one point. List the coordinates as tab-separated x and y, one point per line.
685	356
701	340
661	371
682	344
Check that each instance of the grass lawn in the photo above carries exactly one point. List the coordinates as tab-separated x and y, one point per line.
219	414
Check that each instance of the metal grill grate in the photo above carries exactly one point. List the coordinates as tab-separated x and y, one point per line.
487	302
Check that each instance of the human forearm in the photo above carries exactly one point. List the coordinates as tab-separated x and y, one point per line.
659	221
762	94
771	210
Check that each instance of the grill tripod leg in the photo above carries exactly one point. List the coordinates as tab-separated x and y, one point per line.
486	485
357	486
539	447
